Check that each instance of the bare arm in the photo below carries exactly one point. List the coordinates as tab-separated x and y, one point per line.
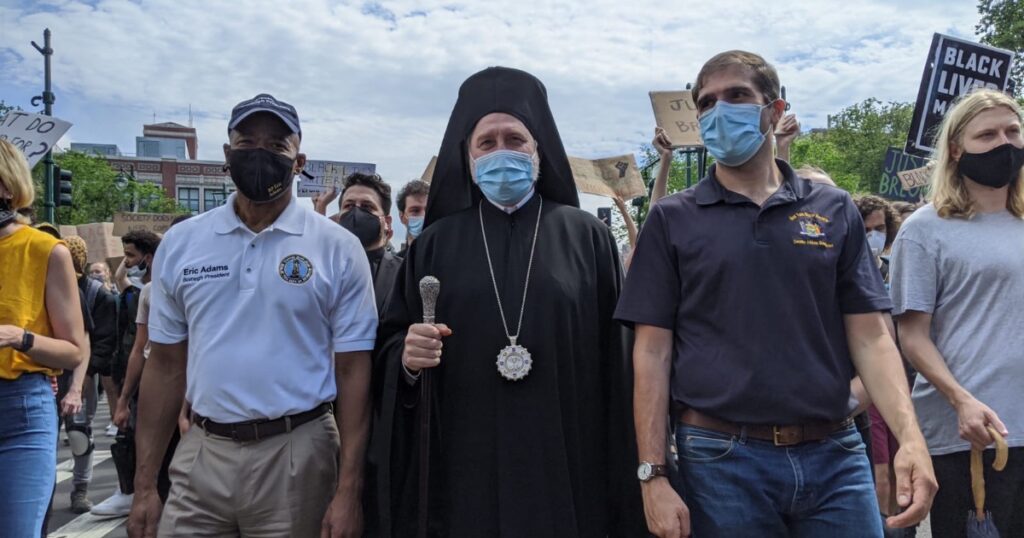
67	348
324	199
879	366
788	128
344	516
857	386
121	281
71	404
136	360
164	375
133	373
915	337
352	372
661	143
628	219
666	514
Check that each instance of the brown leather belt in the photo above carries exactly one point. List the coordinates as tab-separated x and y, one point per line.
780	435
254	430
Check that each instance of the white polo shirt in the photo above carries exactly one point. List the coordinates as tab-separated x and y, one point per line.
263	313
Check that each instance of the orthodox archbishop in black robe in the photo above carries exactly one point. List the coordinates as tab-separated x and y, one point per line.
552	454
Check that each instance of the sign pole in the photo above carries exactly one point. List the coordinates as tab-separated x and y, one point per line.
48	99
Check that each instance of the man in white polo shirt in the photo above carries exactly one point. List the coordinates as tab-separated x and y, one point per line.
271	308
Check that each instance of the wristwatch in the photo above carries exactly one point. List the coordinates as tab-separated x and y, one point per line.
27	341
648	471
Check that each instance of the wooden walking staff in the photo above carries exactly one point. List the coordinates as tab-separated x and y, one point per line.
430	287
979	522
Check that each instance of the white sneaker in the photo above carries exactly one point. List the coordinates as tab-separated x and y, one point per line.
111	430
117	505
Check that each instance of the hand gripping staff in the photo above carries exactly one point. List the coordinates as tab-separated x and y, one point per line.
430	287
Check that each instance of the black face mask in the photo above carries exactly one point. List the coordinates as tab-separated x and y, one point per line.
362	224
6	213
261	175
995	168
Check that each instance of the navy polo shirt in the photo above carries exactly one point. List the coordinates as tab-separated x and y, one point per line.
755	297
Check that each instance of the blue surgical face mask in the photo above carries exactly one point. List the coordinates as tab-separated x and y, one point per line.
732	132
504	176
415	226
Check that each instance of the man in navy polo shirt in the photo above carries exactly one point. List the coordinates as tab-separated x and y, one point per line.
755	301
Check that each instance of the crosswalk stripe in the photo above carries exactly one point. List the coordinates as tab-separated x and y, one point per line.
88	526
65	468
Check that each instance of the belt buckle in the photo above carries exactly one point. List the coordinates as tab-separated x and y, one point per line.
777	437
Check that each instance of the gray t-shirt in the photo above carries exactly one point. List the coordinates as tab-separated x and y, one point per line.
969	275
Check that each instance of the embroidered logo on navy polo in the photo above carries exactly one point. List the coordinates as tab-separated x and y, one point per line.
812	229
295	269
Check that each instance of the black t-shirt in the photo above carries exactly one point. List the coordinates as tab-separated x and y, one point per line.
755	297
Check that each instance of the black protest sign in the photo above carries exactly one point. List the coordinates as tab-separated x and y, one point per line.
954	67
891	187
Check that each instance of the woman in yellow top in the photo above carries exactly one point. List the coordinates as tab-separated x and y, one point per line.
41	332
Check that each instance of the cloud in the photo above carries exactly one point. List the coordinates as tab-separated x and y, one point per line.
375	81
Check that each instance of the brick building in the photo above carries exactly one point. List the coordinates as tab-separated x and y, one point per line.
166	156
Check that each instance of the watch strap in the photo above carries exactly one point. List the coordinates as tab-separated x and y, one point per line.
28	340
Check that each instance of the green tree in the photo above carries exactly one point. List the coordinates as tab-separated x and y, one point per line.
852	149
100	191
1002	25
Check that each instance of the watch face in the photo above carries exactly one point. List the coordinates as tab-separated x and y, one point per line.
644	472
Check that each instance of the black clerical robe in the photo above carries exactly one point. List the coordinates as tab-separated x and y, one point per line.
551	455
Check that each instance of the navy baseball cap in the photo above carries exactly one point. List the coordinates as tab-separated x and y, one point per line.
265	102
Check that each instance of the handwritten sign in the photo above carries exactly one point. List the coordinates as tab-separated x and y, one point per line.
153	222
918	177
954	67
614	177
428	174
318	176
676	113
33	134
890	186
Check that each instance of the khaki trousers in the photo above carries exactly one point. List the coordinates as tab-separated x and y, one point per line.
276	487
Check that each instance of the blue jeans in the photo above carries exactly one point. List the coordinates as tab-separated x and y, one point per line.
28	453
736	486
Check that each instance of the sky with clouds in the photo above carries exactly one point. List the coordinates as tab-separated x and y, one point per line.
376	81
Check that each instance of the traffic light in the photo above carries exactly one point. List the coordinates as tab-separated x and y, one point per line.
64	187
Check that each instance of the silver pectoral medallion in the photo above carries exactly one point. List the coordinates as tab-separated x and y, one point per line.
514	362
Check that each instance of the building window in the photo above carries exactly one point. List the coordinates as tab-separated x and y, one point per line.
188	197
213	198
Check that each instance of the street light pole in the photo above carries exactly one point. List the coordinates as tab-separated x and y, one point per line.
48	99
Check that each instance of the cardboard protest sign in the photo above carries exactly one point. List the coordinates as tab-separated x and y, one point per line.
428	174
99	238
113	263
153	222
890	186
614	177
954	67
318	176
677	114
34	134
918	177
66	230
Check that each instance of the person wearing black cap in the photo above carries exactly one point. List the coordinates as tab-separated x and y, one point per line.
269	309
530	422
